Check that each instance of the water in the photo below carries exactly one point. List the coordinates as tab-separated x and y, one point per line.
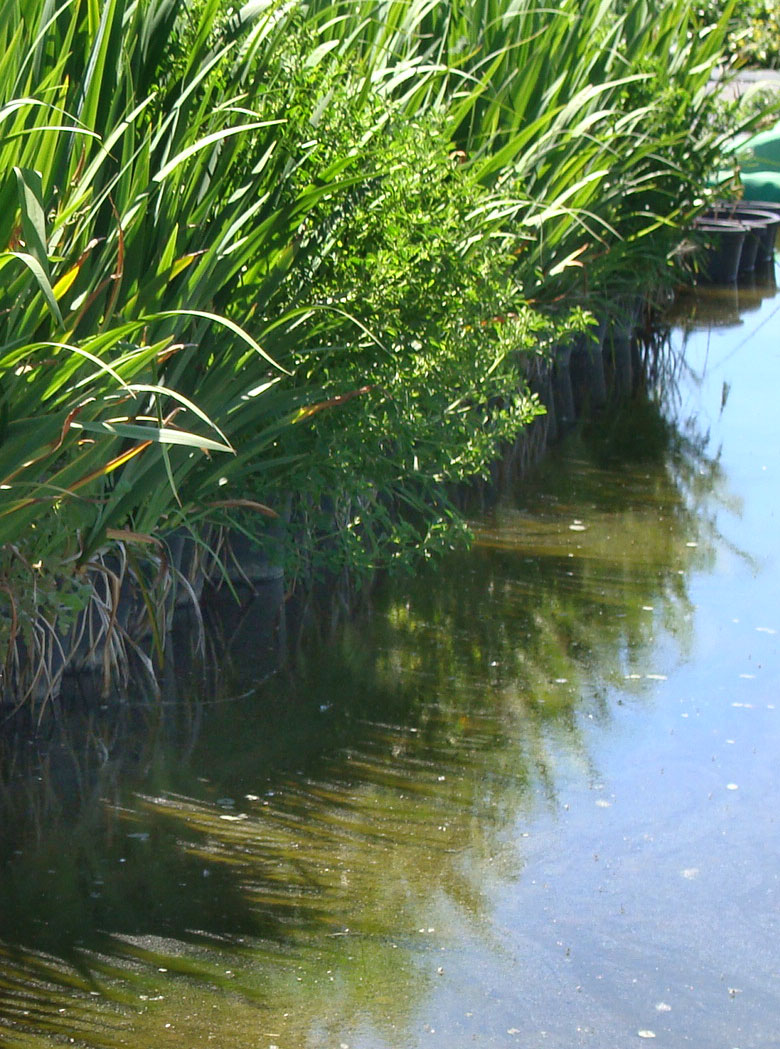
529	799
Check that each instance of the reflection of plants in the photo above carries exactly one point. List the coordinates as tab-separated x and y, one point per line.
199	879
546	599
358	785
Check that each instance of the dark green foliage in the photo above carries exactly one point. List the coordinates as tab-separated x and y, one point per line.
296	260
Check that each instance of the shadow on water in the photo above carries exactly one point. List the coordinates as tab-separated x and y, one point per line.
262	836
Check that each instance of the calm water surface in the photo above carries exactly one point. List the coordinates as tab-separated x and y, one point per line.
530	799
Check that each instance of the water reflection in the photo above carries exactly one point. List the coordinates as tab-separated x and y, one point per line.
712	307
298	859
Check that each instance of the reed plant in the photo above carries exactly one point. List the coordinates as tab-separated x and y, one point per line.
596	122
293	259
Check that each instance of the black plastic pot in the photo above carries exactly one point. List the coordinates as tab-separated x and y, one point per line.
587	369
723	240
767	207
762	224
767	232
563	392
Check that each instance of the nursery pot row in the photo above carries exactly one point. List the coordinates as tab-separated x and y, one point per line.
737	237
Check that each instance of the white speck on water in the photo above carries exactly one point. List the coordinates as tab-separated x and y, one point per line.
662	1007
765	630
603	803
690	873
633	677
513	1030
646	1034
748	677
730	741
693	546
252	797
647	608
656	677
732	786
561	681
744	706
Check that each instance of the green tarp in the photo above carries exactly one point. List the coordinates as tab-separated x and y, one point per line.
759	164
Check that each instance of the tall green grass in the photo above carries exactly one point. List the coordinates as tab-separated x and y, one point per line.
595	120
290	259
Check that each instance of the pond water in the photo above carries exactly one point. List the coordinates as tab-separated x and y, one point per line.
530	798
